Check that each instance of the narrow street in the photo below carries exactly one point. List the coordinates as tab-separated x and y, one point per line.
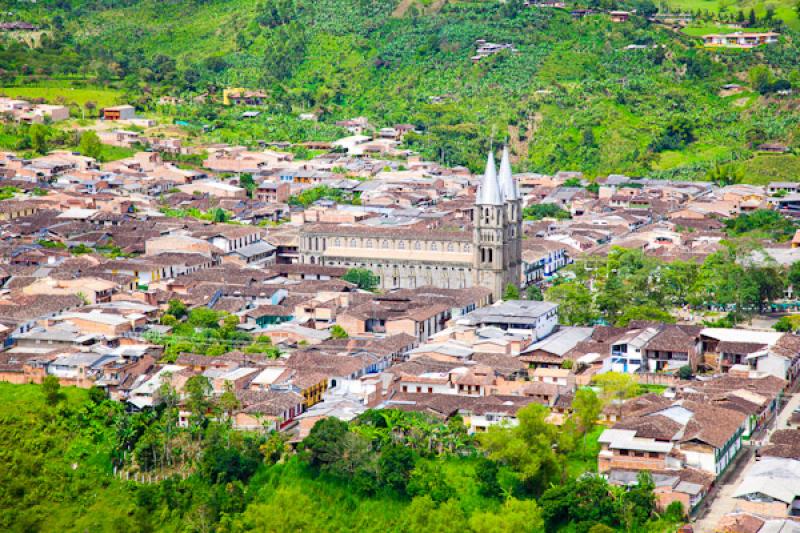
724	502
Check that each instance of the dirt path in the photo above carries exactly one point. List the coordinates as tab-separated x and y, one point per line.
404	5
401	8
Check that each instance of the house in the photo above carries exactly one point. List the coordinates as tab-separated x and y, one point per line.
551	351
218	189
775	187
672	347
12	209
740	39
238	96
267	410
773	148
121	112
537	319
272	192
683	434
78	369
619	16
627	352
770	488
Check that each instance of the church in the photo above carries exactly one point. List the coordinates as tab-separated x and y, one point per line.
487	253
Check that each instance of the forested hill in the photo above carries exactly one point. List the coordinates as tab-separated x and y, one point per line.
574	95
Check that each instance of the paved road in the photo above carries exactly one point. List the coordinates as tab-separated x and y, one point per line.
724	502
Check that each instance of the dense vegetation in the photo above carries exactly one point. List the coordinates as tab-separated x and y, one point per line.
385	471
572	97
628	285
206	332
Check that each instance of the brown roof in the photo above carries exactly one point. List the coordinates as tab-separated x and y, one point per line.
653	427
739	523
739	347
712	425
267	402
673	338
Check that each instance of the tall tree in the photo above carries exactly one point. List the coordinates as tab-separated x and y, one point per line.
586	407
90	144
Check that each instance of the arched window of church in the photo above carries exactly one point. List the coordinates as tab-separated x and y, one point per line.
417	245
385	244
401	245
434	247
336	242
353	243
450	247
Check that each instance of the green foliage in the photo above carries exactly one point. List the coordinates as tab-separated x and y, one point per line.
685	372
176	308
52	390
206	332
90	145
80	249
616	387
540	211
338	332
533	292
645	312
762	224
574	303
787	324
511	292
628	285
586	407
314	194
363	278
8	192
527	449
57	471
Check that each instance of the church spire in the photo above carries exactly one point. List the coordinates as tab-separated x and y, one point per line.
489	188
508	188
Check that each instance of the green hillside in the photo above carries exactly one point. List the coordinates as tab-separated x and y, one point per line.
573	96
386	471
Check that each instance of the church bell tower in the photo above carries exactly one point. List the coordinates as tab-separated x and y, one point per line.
497	257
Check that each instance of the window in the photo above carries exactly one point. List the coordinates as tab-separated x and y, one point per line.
434	247
385	244
623	452
654	455
368	243
417	245
638	454
336	242
353	243
450	247
401	245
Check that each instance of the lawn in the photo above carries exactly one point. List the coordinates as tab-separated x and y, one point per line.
764	168
100	96
699	31
651	389
584	458
784	9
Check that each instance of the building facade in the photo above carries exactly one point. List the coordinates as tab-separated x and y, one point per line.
489	254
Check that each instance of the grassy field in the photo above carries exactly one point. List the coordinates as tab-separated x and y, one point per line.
699	31
771	167
584	458
101	97
784	9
